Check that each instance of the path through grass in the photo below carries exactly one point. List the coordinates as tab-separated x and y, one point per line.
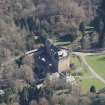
97	63
87	78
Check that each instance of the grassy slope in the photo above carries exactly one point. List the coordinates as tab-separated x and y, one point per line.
98	64
86	83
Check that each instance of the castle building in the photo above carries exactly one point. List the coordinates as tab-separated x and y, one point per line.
50	59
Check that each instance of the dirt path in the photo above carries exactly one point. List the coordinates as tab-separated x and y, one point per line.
82	57
15	58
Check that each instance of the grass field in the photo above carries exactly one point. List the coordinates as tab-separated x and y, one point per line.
97	63
58	43
86	80
87	83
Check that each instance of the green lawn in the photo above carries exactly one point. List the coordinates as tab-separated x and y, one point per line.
87	79
61	43
97	63
73	59
87	83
